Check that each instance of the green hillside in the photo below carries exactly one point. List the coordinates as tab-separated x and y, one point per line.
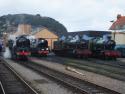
35	20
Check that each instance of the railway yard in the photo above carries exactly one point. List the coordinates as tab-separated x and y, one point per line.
29	66
40	55
11	82
61	75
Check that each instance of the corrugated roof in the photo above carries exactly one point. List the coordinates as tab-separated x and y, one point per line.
90	33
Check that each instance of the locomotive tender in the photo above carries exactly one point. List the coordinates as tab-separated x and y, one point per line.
74	49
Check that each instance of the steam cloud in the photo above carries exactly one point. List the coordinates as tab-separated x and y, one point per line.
7	53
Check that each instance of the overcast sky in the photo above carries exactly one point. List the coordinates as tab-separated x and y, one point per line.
75	15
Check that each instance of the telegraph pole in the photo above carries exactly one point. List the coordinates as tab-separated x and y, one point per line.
114	32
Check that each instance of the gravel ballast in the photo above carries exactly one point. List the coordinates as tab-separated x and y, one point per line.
98	79
42	84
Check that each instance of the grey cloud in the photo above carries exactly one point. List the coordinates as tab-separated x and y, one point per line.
76	15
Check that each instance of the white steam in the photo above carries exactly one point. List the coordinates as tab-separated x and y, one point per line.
12	37
7	53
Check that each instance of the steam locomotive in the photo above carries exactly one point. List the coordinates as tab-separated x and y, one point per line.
39	47
20	48
104	49
73	49
95	47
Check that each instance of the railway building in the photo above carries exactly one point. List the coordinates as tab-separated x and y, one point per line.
46	34
89	33
38	32
118	30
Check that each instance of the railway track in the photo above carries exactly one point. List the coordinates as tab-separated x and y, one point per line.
82	87
11	82
116	64
111	63
109	69
2	91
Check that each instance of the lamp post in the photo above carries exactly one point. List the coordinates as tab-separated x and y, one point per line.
114	30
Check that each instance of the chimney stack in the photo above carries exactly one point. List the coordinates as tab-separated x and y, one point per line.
119	16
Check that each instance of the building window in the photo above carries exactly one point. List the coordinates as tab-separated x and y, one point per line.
123	27
117	27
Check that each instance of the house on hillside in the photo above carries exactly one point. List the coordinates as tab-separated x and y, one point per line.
23	29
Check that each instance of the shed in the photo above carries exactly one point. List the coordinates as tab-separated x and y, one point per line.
46	34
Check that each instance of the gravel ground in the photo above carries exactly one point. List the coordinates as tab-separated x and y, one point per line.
41	84
101	80
121	59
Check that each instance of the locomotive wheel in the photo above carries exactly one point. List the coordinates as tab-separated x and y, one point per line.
78	56
24	58
106	57
14	57
114	58
45	55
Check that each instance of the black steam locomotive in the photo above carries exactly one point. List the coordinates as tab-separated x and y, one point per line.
104	49
73	49
20	49
40	47
95	47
